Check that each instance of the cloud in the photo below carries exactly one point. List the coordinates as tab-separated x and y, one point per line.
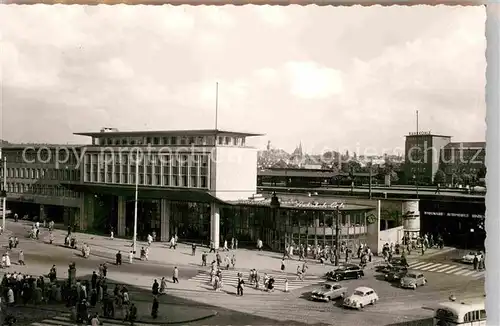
335	77
308	80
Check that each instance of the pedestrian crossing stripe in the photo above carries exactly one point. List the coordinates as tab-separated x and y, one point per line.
446	268
231	278
432	267
65	320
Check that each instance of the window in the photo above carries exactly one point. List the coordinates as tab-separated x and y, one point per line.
174	140
156	140
148	140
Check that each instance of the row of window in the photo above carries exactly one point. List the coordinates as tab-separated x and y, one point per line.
173	140
177	170
46	174
44	155
40	189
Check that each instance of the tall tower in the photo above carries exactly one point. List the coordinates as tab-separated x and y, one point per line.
268	145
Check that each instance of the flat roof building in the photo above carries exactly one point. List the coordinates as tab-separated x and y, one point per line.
198	184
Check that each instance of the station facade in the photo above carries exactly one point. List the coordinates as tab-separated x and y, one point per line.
197	184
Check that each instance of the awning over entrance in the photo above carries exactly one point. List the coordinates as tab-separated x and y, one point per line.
304	203
146	192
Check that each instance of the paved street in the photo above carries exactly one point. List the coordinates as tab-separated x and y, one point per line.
395	306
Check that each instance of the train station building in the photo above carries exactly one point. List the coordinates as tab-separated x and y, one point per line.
200	185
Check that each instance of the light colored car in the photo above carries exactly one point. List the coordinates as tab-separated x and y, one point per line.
412	280
329	291
360	298
469	258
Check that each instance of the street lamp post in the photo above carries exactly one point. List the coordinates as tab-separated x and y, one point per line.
337	235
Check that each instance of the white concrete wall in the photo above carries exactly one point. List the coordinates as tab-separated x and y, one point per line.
394	235
235	173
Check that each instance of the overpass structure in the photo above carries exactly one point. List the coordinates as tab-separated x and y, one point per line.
458	216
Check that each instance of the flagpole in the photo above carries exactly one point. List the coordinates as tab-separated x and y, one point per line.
216	105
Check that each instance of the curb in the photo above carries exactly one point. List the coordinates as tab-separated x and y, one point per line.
213	313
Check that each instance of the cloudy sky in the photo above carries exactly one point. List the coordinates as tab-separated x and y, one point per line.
329	77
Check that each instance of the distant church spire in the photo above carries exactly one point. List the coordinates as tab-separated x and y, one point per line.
268	145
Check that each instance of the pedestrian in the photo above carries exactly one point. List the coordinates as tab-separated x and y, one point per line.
95	320
7	260
118	258
475	261
131	257
21	258
212	247
282	265
173	243
240	286
150	239
286	285
51	238
204	259
232	243
233	260
132	315
156	288
193	249
175	276
111	233
154	308
225	246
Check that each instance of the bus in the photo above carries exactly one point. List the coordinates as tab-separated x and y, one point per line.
472	313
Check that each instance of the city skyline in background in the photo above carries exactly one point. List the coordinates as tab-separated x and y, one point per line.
351	88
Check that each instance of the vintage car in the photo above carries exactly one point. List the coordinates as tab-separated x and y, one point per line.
469	258
387	266
412	280
329	291
360	298
396	273
346	272
329	274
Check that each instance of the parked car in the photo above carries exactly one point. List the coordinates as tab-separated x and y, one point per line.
396	273
329	291
469	258
346	272
412	280
360	298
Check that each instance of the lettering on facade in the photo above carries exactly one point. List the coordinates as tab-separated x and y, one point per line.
479	216
420	133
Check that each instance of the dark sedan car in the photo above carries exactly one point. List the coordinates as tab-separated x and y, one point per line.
396	273
387	266
346	272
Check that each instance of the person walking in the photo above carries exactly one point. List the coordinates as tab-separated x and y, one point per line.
240	286
233	260
118	258
175	276
131	257
21	258
282	266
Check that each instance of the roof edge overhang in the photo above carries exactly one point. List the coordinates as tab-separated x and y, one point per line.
150	192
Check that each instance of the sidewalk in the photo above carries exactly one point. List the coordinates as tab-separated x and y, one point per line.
159	253
167	314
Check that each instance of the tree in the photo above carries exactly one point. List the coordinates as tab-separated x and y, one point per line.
439	177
